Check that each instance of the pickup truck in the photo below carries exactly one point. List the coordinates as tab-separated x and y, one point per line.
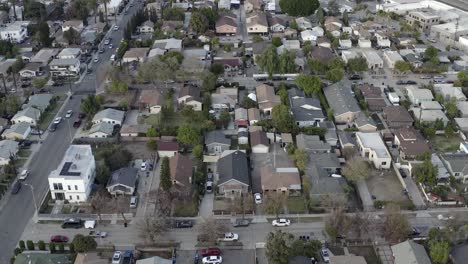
97	233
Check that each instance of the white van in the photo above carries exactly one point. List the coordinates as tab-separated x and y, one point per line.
90	224
133	202
112	57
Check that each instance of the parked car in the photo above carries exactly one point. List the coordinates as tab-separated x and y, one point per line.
325	255
241	223
53	127
210	252
229	237
258	198
116	28
77	123
69	114
133	201
24	174
97	233
25	143
59	239
212	260
81	115
116	257
16	187
72	223
57	120
402	172
444	218
106	42
143	166
355	77
184	224
281	222
102	50
36	131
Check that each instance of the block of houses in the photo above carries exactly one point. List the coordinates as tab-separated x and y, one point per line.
133	130
190	95
391	57
430	116
146	27
448	91
342	102
345	43
276	24
135	55
151	101
242	136
372	96
253	115
280	180
410	142
253	5
216	142
64	67
365	124
226	24
372	148
463	108
231	64
410	252
364	43
307	111
417	95
322	54
123	181
303	23
8	149
74	177
312	144
77	25
39	101
181	168
259	142
167	149
100	130
32	70
29	115
382	40
257	23
17	131
266	98
110	116
241	117
397	116
373	59
15	32
233	178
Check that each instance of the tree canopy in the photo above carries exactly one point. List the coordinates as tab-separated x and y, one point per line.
187	135
165	175
282	119
426	173
281	246
83	243
299	7
310	84
402	66
356	169
357	64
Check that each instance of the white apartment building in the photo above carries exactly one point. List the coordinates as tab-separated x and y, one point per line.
73	178
424	20
15	32
372	148
65	67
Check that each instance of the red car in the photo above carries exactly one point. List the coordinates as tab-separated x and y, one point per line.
59	239
211	252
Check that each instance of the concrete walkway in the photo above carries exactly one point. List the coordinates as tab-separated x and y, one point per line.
206	206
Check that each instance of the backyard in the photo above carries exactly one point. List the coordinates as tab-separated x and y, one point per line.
441	143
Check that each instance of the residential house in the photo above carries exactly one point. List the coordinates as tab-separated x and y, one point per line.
382	40
397	116
253	115
373	59
364	43
151	100
110	116
65	67
216	142
372	96
259	142
431	105
167	149
448	91
347	55
331	136
76	25
222	102
311	34
8	149
73	178
170	26
257	23
324	163
345	44
69	53
146	27
31	70
423	21
342	102
289	44
226	24
280	180
181	168
266	98
417	95
29	115
415	61
347	140
372	148
276	23
190	95
411	144
333	25
312	144
15	32
241	117
17	131
170	44
391	57
410	252
365	124
457	165
322	54
43	56
233	174
307	111
100	130
462	123
123	181
242	136
135	55
253	5
303	23
133	130
39	101
429	116
231	64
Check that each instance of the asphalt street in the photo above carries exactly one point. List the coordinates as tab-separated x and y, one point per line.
19	209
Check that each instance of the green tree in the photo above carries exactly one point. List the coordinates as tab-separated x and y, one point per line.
225	118
199	22
274	204
301	159
187	135
152	144
248	103
356	169
431	53
357	64
276	41
463	77
345	18
336	63
151	132
439	252
287	62
103	173
426	173
197	151
43	35
299	7
173	14
165	175
396	226
117	88
451	107
307	48
282	119
278	247
217	69
30	245
39	83
283	94
310	84
269	61
317	66
320	15
402	66
41	245
90	105
334	75
71	36
22	245
83	243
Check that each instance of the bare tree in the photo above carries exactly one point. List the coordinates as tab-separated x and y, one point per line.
163	201
396	226
356	169
121	207
361	224
99	202
241	205
337	223
274	203
152	228
210	230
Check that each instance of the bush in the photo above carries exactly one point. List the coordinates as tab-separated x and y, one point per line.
61	247
22	245
71	247
12	260
30	245
41	245
52	247
18	251
84	243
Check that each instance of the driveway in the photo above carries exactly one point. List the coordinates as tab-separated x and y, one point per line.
206	206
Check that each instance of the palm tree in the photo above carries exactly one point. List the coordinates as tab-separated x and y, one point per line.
93	4
105	2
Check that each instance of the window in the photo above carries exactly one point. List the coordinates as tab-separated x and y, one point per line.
58	186
76	187
78	197
384	163
69	187
71	198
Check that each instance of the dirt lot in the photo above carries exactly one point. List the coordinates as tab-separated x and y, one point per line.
384	185
139	150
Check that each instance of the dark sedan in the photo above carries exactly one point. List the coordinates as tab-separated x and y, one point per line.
16	187
184	224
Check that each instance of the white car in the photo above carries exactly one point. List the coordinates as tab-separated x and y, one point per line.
258	198
143	166
444	218
230	237
325	255
212	260
24	174
69	114
96	59
116	28
281	222
116	257
110	46
57	120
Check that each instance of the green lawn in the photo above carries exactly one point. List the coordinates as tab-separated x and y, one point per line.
367	252
296	205
185	209
443	144
48	116
172	120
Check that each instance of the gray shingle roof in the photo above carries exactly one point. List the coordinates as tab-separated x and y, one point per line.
311	143
233	166
216	137
458	161
410	252
103	127
40	101
110	114
8	147
306	109
340	98
125	176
